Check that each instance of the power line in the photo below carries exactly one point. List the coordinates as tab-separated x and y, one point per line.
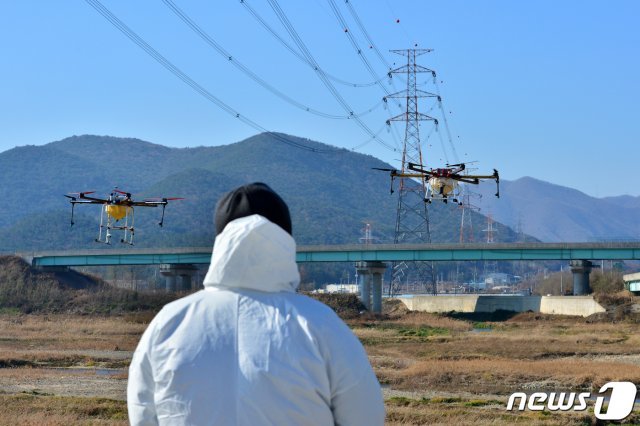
232	60
406	34
298	55
360	145
364	31
360	52
354	43
446	122
123	28
323	77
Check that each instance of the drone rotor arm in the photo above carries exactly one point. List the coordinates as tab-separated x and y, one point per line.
417	168
96	199
74	201
153	202
466	179
147	203
493	176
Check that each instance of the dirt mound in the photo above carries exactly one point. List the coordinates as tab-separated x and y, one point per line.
620	306
14	269
28	289
394	308
347	306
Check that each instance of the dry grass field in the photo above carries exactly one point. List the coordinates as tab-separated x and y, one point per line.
439	370
64	370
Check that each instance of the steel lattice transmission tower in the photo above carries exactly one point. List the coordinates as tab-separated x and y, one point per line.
412	220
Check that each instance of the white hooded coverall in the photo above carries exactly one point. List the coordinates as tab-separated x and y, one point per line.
248	350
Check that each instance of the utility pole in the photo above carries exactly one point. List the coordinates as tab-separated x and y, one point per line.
466	224
490	267
412	216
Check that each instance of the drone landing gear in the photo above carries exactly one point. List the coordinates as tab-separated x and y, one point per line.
443	197
162	218
129	231
127	239
128	228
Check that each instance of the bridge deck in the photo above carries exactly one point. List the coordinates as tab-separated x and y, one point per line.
355	253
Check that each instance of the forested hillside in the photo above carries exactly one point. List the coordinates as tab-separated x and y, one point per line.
332	193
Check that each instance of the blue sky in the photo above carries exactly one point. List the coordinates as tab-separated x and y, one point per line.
547	89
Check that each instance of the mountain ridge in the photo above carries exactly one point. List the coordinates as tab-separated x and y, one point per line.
554	213
319	187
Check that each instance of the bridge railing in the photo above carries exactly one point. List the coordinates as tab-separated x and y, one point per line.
356	253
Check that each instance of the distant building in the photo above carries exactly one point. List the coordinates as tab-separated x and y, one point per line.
341	288
498	278
475	286
632	282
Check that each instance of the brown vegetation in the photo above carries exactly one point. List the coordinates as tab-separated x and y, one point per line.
41	410
602	282
478	364
347	306
27	290
435	369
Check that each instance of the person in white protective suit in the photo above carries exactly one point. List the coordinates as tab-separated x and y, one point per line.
249	350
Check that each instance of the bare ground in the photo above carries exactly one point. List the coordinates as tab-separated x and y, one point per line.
435	369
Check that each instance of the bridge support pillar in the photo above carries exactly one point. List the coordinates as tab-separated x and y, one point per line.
178	277
170	283
581	270
370	283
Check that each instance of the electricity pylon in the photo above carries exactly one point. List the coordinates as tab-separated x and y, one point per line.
412	216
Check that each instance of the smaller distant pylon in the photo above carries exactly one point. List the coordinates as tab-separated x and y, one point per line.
490	230
367	234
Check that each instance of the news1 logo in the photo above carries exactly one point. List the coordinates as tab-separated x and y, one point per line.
621	401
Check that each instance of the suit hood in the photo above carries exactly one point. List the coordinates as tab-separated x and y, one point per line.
253	253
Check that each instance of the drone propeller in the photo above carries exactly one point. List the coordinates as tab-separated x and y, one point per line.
79	194
128	194
462	165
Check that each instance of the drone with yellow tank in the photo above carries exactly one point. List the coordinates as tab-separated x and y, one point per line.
117	212
442	183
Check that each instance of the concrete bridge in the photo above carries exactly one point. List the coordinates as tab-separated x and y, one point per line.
369	258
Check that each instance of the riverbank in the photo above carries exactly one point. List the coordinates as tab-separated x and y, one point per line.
434	368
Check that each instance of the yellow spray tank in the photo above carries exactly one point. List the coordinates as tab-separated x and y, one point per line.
117	211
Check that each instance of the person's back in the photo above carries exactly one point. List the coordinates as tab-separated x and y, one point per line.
248	350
